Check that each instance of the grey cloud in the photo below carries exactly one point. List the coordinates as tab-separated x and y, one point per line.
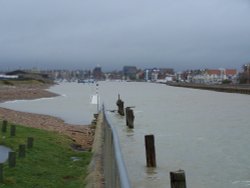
164	33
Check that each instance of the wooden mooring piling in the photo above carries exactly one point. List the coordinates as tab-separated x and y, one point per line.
178	179
130	117
120	105
150	150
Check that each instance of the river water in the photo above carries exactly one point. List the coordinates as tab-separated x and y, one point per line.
73	106
205	133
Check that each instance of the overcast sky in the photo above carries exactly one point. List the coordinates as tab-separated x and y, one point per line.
79	34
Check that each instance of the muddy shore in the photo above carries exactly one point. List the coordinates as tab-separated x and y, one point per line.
82	135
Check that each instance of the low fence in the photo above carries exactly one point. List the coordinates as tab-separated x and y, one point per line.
115	172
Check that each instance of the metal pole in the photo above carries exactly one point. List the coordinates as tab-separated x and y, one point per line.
248	81
97	96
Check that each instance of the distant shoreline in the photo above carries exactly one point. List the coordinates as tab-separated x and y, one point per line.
241	89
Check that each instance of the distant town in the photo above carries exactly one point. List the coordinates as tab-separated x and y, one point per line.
132	73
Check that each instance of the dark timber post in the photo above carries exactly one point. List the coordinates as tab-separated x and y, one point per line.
12	159
1	172
21	152
150	150
30	141
96	116
120	105
13	130
4	126
130	117
178	179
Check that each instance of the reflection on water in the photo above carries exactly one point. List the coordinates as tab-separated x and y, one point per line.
151	174
130	132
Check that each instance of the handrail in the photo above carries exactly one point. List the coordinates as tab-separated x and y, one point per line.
120	167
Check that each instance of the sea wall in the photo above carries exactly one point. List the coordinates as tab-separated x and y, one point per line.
95	177
107	168
242	89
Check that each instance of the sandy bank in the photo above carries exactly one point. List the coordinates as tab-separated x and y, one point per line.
8	93
82	135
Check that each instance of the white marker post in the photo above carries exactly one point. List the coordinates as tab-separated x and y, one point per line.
96	98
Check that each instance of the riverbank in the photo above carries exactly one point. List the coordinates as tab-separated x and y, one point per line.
241	89
25	92
82	135
49	163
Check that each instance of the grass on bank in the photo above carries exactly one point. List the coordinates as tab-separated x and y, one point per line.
48	164
21	82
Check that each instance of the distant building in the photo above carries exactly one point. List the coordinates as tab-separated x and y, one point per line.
147	75
215	76
154	74
165	72
245	75
159	74
130	72
97	73
115	75
140	75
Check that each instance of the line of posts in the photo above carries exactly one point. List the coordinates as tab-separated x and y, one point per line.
12	154
177	178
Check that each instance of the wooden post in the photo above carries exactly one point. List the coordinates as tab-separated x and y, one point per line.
178	179
21	152
4	126
150	150
1	172
12	159
120	105
30	141
94	122
96	116
130	117
13	130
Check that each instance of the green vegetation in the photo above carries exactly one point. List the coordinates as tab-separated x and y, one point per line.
6	82
21	82
48	164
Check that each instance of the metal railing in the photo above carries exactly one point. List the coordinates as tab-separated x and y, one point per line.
115	172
